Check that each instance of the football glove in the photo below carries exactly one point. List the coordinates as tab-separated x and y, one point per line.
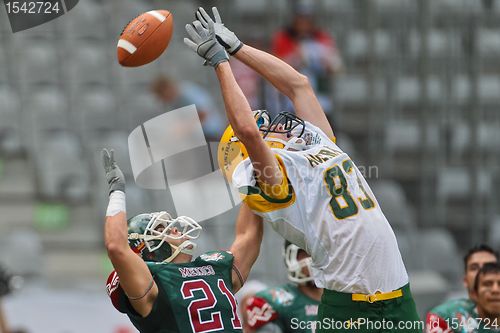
226	37
204	43
114	176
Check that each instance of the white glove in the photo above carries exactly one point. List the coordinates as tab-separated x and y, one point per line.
204	43
226	37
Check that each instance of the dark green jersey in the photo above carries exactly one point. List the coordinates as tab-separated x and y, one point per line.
193	297
285	306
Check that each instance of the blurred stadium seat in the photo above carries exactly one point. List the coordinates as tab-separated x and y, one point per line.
457	7
439	42
27	260
46	100
255	7
439	253
494	233
351	89
461	89
63	172
358	44
456	183
94	111
489	137
10	122
87	20
37	60
407	90
4	64
337	6
140	107
395	5
489	43
489	86
394	204
406	136
87	62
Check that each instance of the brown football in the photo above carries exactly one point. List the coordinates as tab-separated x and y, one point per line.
145	38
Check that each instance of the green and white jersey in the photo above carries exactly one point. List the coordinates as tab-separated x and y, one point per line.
193	297
458	316
285	306
332	214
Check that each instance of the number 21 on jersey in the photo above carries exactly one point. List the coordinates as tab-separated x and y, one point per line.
207	304
343	204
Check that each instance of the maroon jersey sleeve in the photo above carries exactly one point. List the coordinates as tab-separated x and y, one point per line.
259	312
115	292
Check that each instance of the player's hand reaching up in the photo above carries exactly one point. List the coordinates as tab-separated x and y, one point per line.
114	176
205	44
226	37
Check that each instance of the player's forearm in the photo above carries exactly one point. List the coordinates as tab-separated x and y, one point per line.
237	107
116	235
249	231
281	75
241	119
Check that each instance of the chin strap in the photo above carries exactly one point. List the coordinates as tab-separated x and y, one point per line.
181	249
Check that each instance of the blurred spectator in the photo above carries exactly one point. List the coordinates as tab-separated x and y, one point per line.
179	94
487	295
445	316
310	50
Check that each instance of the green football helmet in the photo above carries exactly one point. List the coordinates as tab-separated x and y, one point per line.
148	235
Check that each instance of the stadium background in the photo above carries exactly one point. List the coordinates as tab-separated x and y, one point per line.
419	99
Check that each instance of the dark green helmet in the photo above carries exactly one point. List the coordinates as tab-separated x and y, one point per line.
137	226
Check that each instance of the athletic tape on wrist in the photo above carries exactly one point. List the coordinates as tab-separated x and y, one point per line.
116	203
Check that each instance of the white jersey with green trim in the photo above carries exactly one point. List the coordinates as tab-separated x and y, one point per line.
332	214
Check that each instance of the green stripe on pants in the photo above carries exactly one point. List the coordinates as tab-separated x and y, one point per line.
339	313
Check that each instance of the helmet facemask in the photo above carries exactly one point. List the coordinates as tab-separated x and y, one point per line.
295	266
290	125
160	230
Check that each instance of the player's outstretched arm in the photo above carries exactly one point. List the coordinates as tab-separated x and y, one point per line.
135	278
246	245
290	83
281	75
241	119
239	113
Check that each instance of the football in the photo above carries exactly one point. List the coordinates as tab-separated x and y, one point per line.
145	38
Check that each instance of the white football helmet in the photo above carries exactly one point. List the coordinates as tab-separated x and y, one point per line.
295	266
